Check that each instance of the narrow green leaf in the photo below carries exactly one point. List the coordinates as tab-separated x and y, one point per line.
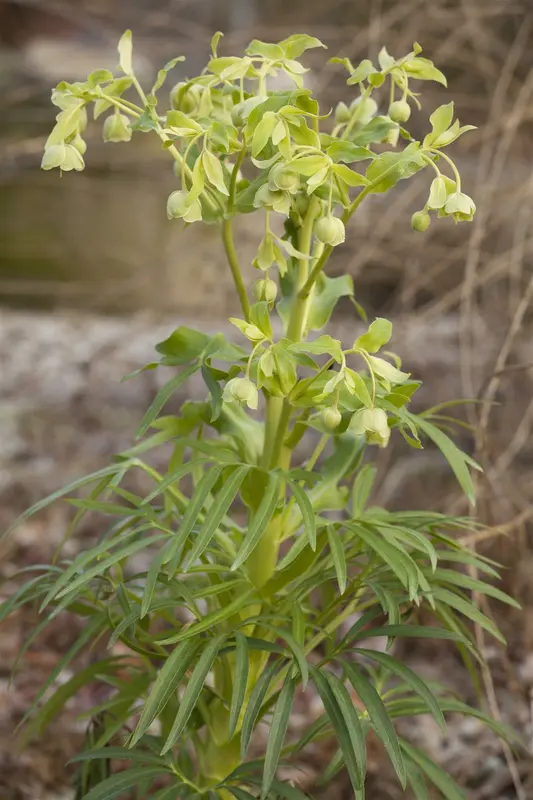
192	692
308	515
168	679
285	790
162	396
351	719
122	781
119	753
468	609
299	545
151	579
411	679
257	697
362	486
353	750
455	458
466	582
212	619
278	730
436	775
217	512
416	781
214	390
195	505
240	682
101	566
297	650
378	715
259	522
113	469
174	477
89	633
239	794
409	631
63	693
336	547
388	601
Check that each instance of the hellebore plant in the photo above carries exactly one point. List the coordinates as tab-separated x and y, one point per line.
266	577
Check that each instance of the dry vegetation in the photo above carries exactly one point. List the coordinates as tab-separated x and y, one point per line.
463	300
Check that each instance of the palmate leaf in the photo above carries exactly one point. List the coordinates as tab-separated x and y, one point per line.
379	717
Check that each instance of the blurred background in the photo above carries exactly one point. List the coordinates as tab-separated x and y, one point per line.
92	275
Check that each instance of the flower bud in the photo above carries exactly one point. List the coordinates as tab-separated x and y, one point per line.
420	221
242	391
399	111
117	128
185	98
266	289
331	417
330	230
342	113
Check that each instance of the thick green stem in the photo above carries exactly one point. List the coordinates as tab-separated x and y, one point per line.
231	253
295	328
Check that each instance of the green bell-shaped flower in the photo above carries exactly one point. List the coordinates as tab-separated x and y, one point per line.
372	422
266	289
242	391
117	128
460	206
180	207
282	179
